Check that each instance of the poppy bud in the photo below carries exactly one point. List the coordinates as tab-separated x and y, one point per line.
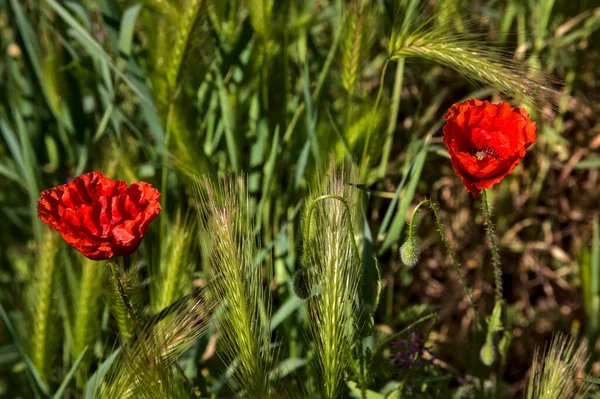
300	284
487	354
410	253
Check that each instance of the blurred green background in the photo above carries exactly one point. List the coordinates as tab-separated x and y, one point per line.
165	90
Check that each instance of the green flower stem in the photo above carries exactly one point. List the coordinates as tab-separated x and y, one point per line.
489	228
348	220
448	248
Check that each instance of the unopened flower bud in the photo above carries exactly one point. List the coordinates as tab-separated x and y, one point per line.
409	253
488	354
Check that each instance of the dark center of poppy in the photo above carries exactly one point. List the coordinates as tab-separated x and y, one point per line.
484	151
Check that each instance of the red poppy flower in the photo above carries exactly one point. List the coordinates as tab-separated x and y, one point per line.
98	216
486	141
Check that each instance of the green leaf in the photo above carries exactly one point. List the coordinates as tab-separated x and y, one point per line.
291	305
356	392
93	384
229	123
38	384
103	123
301	165
595	260
33	50
593	162
127	28
400	219
592	380
87	41
286	367
69	376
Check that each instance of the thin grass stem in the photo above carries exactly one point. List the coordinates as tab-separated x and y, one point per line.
393	116
371	127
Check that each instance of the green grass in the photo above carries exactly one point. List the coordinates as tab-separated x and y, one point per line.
286	281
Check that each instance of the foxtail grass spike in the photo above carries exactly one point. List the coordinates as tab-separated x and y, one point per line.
121	291
229	249
555	371
415	36
145	367
86	313
334	263
43	314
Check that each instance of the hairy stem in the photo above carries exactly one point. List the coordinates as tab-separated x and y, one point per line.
489	228
440	229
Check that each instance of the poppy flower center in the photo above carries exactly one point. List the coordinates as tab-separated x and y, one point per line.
484	152
485	143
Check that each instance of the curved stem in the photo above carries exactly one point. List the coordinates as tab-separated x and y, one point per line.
448	249
348	220
489	228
